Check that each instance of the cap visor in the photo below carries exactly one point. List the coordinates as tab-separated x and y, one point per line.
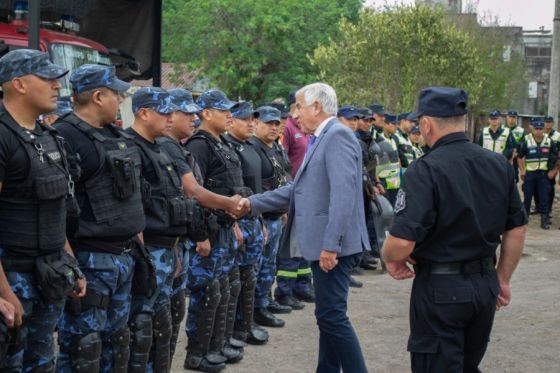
119	85
51	71
190	108
413	116
269	118
225	105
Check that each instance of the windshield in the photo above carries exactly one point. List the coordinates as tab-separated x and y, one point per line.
71	57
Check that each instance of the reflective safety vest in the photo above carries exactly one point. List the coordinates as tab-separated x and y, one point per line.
554	135
537	155
517	133
390	171
406	145
498	145
417	151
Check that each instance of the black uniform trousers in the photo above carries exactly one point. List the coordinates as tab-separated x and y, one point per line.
451	319
536	184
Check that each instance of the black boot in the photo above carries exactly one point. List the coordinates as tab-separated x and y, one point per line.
201	364
263	317
288	300
544	222
355	283
275	307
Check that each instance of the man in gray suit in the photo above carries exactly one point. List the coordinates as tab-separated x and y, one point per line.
326	219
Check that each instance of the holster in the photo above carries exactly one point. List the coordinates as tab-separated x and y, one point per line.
57	275
144	281
124	176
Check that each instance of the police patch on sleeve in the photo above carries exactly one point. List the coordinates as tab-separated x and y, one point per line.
400	203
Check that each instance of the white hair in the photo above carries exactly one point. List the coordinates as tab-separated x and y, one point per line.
322	93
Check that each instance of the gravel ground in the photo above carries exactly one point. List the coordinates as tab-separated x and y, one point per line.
525	338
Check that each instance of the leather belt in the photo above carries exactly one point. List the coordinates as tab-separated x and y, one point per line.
456	268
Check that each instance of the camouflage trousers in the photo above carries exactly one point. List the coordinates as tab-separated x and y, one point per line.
202	271
180	282
164	262
37	331
266	267
109	275
251	251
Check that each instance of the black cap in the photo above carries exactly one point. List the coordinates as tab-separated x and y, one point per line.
292	97
378	109
441	102
349	112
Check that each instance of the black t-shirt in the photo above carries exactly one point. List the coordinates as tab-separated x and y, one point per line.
148	170
205	156
456	201
175	151
14	160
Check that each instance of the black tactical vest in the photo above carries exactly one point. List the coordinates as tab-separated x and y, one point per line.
227	179
114	192
33	212
280	164
251	164
167	208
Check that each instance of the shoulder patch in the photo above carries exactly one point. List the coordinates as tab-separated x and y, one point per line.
400	203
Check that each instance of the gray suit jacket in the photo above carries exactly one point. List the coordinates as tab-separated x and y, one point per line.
325	200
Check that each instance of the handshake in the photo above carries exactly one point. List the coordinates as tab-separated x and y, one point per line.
238	206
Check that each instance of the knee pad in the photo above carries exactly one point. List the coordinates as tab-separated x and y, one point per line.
120	344
162	337
178	307
234	283
141	332
85	353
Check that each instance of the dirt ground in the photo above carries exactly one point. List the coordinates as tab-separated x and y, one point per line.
525	338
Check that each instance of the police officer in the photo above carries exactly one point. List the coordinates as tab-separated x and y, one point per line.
518	135
450	226
537	167
167	210
254	232
378	112
404	145
274	171
390	174
416	140
35	183
496	138
197	244
554	136
63	107
221	172
93	333
350	115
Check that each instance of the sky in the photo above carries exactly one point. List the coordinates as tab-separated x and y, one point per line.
530	14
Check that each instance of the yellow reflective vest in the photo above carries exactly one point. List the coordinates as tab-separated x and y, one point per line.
537	155
498	145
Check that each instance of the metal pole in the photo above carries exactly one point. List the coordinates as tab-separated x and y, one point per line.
34	22
156	51
554	89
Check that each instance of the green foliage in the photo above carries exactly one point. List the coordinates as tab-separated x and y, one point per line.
253	49
389	55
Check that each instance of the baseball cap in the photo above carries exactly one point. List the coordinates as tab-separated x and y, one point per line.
155	98
21	62
184	100
244	110
378	109
268	114
214	99
349	112
90	76
441	102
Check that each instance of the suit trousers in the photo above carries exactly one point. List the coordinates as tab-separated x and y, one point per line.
339	347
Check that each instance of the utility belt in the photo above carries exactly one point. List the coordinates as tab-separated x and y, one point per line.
272	215
56	274
155	242
102	246
456	268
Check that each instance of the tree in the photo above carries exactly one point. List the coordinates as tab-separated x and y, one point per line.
389	55
252	49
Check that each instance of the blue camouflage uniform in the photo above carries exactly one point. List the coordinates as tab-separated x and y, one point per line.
93	334
22	238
